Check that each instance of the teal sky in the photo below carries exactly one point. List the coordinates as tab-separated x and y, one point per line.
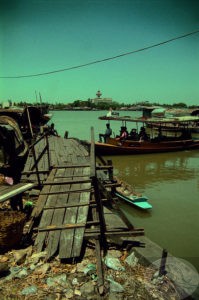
38	36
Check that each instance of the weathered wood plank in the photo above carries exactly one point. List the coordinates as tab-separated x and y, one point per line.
82	213
11	191
58	216
66	239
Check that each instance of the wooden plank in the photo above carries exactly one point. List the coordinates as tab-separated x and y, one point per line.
43	198
58	216
40	238
61	182
68	191
59	225
47	215
66	238
54	237
69	205
81	217
14	190
114	234
86	177
75	237
71	166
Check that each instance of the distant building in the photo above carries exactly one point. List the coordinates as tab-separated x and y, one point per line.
98	99
7	104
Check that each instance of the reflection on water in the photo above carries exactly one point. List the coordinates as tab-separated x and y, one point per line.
153	168
170	180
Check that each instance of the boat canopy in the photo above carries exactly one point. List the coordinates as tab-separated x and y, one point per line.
184	119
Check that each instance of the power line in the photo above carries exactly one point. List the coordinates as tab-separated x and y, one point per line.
105	59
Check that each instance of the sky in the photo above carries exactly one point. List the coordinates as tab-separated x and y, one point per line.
40	36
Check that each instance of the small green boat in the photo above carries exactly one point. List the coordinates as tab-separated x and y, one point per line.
139	201
126	192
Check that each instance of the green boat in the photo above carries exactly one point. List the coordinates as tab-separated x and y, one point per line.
125	192
138	201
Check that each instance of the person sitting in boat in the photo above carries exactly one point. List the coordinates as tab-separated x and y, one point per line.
123	134
133	134
107	133
185	134
52	130
142	135
160	136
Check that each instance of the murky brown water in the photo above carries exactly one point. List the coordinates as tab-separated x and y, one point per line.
171	181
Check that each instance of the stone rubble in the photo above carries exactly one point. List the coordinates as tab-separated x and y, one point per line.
26	275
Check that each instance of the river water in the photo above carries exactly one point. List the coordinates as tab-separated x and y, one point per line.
170	180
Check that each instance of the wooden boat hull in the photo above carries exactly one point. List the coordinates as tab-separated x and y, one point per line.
146	147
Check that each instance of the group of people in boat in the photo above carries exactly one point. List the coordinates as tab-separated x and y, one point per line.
141	136
124	134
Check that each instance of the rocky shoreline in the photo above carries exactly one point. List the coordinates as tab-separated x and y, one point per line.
26	275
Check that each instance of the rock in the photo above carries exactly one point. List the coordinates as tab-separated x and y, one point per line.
115	286
113	263
75	281
20	255
58	282
36	257
115	296
69	294
131	260
87	289
43	269
82	265
77	292
32	267
22	273
29	290
90	269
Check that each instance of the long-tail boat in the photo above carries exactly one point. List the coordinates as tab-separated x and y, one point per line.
156	141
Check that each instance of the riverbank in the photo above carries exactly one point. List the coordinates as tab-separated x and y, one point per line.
25	275
128	274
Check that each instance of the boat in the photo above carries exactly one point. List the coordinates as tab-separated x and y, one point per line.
178	124
127	194
13	147
34	116
156	141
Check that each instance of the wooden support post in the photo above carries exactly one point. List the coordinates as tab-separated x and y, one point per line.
100	213
101	240
33	149
110	170
97	192
162	270
100	273
48	152
38	158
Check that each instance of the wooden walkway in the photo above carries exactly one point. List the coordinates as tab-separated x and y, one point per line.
70	207
63	203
